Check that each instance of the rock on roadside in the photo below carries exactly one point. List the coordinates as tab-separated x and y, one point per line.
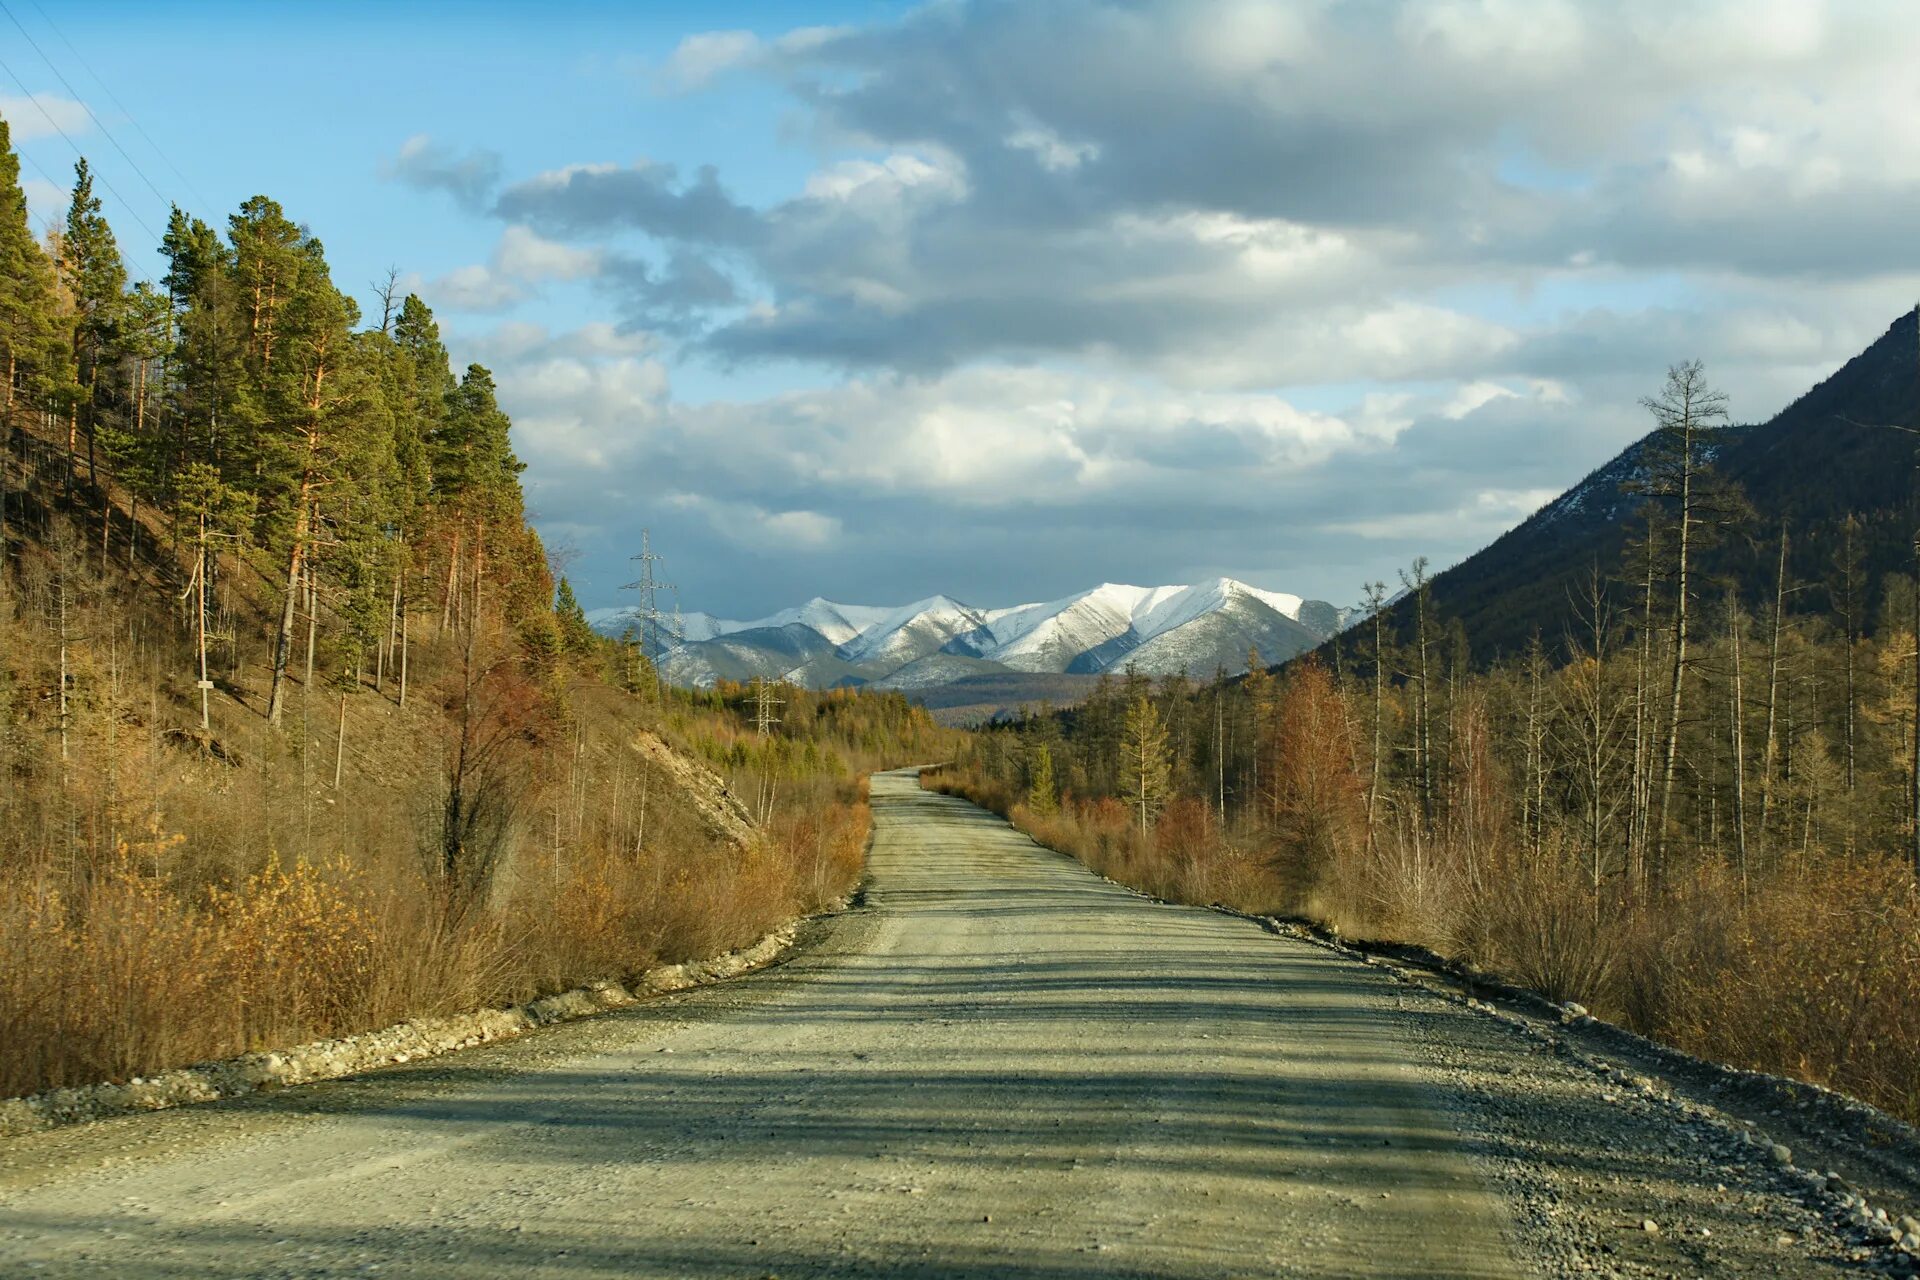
403	1042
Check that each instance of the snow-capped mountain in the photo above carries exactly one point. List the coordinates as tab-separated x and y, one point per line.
1196	629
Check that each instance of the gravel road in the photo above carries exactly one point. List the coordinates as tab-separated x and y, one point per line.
998	1065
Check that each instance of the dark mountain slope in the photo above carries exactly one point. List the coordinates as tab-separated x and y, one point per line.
1820	459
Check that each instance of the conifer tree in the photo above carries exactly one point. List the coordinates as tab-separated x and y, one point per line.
1146	766
1677	472
1040	786
27	326
96	280
576	636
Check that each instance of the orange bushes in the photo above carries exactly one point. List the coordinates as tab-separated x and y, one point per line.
130	972
125	975
1819	977
1539	922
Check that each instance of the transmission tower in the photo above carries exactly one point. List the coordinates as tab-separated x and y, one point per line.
647	609
765	705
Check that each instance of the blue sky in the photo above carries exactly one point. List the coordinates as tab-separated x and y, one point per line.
1003	300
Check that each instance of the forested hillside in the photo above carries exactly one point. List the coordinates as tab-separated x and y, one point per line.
1838	470
298	733
1692	807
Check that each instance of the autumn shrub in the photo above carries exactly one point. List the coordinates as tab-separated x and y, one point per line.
1538	920
124	974
1817	976
150	960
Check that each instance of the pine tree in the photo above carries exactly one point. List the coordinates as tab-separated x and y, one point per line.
214	405
472	456
1146	766
96	279
315	395
27	328
421	391
576	635
1040	786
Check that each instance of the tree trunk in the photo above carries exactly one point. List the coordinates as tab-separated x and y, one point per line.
403	654
1737	735
1379	708
1770	752
1677	684
453	579
6	458
313	621
340	741
283	637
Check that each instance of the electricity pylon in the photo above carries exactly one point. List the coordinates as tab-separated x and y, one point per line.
647	610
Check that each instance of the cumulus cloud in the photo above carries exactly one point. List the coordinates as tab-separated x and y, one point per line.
45	201
588	198
521	262
1316	283
43	115
702	57
874	487
469	177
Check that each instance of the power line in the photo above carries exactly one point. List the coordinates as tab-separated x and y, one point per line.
75	95
131	211
204	203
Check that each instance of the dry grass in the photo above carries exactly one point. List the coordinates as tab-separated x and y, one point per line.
127	973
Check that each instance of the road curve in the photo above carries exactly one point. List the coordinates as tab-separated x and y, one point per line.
1001	1065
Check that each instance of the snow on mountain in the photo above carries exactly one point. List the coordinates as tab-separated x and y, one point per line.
1218	633
1209	597
839	623
912	632
1160	630
1048	637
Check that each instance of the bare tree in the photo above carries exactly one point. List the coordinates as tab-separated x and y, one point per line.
1414	578
386	291
1374	596
1686	408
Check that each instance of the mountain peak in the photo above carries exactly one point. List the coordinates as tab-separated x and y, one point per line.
1195	628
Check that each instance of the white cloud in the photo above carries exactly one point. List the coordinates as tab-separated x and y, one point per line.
1231	273
43	115
523	254
1054	153
887	182
748	525
699	59
521	261
45	201
469	288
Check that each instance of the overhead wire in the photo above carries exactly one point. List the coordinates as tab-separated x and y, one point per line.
104	180
204	205
74	93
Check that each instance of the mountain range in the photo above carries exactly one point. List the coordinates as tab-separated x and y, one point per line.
940	643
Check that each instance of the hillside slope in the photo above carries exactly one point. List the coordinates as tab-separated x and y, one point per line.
1824	457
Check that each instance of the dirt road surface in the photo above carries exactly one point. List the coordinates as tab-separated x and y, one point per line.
1000	1065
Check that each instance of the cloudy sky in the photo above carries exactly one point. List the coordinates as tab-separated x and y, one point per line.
1006	299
